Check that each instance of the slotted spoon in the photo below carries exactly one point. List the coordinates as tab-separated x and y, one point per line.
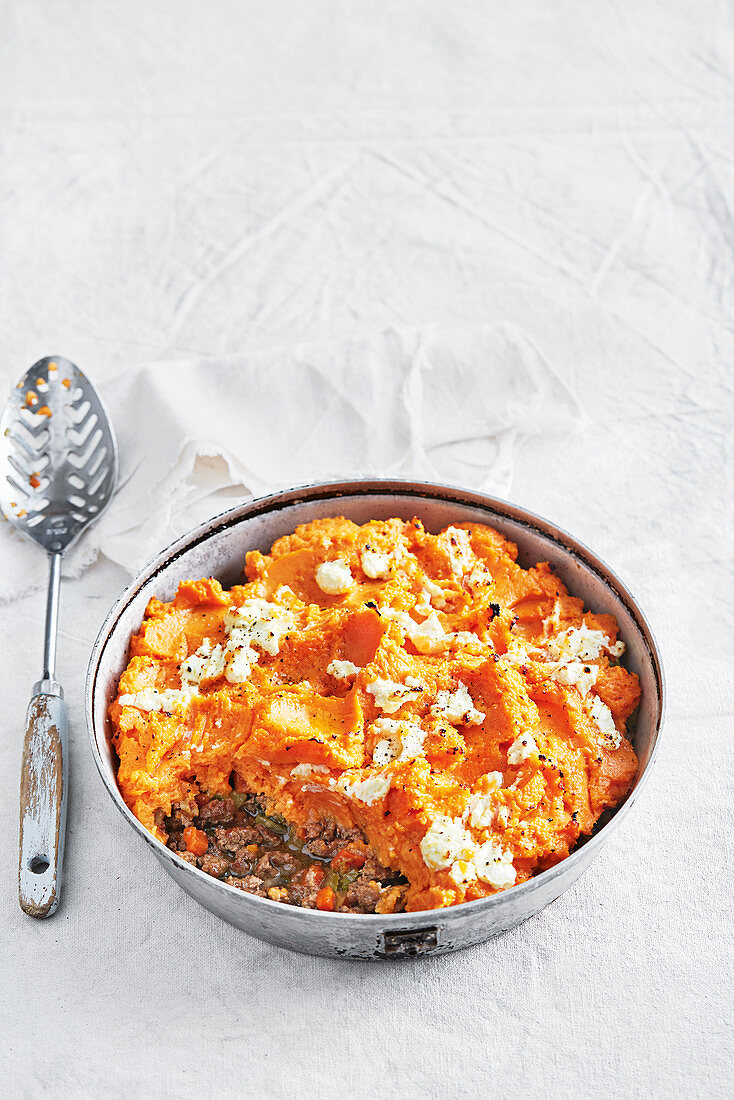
58	468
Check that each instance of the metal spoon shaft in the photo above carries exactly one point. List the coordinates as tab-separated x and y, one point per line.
52	616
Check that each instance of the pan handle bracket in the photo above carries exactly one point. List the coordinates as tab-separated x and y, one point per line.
408	942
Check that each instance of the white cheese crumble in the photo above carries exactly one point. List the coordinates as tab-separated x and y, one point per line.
479	576
521	749
602	715
152	699
579	675
428	636
423	604
255	623
446	842
518	655
205	664
434	592
400	741
342	670
368	790
463	873
302	771
480	809
390	696
240	664
553	621
334	577
375	564
258	623
572	651
583	644
463	639
457	545
457	706
494	865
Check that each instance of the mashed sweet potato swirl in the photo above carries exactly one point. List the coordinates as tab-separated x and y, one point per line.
464	713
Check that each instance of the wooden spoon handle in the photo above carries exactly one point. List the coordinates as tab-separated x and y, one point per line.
43	801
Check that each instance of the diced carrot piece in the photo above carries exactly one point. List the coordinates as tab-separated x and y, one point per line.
196	840
349	859
315	875
326	900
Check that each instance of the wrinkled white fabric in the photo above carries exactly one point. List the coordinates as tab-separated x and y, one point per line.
503	213
194	434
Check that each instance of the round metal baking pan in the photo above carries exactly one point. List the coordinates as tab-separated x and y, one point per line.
217	548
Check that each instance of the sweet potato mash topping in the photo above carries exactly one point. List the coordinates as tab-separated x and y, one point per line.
465	714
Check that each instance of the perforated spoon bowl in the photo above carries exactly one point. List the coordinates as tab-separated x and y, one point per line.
58	469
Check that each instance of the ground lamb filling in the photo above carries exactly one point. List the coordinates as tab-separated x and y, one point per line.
320	866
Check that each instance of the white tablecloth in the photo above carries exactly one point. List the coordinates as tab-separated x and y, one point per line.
218	180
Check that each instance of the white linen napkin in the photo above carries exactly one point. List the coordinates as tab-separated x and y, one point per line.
197	436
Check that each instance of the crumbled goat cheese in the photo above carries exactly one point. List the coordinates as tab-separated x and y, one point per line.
518	655
480	809
342	670
390	696
434	592
446	842
428	636
602	715
579	675
458	549
553	621
241	662
571	651
205	664
153	700
258	623
368	790
494	865
302	771
521	748
503	816
423	604
581	643
457	706
375	564
464	639
334	577
400	741
254	623
462	872
479	576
